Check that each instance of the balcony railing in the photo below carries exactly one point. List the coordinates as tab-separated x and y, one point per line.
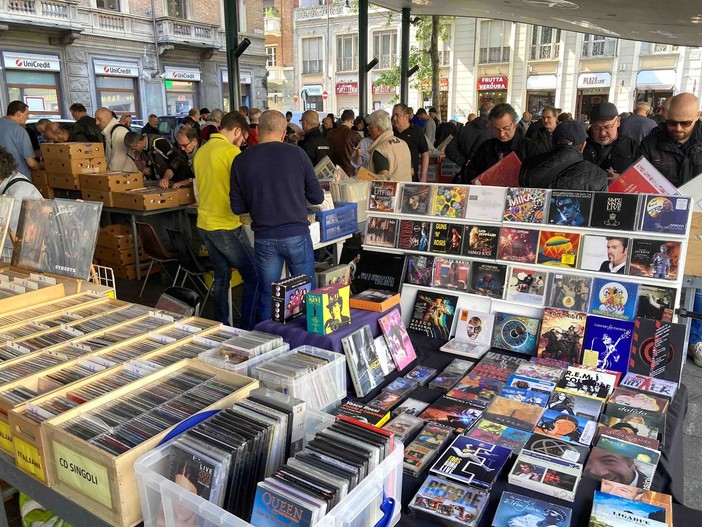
322	11
650	48
347	64
545	51
271	24
178	31
599	48
61	13
494	55
387	61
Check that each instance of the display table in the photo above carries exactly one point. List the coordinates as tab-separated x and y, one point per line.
295	332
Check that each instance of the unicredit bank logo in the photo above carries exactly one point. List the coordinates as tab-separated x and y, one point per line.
116	70
183	75
24	63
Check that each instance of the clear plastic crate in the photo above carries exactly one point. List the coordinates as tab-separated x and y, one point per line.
337	222
321	388
213	357
360	507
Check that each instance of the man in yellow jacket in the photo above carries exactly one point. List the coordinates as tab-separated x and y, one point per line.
219	227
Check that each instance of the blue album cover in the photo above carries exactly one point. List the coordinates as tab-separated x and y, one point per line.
474	462
571	428
516	509
608	509
525	396
499	434
614	298
665	214
515	333
276	509
607	343
527	383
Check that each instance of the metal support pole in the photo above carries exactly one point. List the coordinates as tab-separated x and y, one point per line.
362	57
404	55
231	27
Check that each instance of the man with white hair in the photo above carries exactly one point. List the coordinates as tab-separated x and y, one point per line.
388	156
118	158
638	125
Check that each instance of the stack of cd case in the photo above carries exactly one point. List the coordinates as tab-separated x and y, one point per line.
101	438
312	374
241	352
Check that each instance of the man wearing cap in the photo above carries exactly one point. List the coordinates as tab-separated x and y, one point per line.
564	167
675	148
204	116
605	146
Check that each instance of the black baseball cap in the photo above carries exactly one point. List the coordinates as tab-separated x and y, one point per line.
205	110
605	111
569	133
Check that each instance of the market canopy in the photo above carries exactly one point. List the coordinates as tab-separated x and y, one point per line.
678	22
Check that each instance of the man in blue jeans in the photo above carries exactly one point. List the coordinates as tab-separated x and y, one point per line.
272	182
219	228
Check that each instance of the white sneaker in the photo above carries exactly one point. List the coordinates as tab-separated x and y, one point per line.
695	351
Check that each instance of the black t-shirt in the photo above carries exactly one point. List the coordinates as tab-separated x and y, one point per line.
417	142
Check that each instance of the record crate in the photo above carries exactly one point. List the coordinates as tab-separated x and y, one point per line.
115	248
214	357
360	507
23	298
67	151
29	436
105	483
337	222
146	199
112	181
322	388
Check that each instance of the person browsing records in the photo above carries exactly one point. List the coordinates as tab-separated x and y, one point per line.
277	202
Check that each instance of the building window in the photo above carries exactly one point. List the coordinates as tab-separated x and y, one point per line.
38	89
495	36
112	5
545	43
176	8
445	48
117	93
312	55
599	46
347	53
385	49
650	48
181	96
271	54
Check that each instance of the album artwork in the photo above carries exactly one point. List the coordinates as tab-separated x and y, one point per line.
420	270
450	201
558	248
473	462
658	349
645	383
610	509
474	326
532	397
614	298
363	362
433	314
573	404
568	427
527	285
569	291
397	339
449	501
456	413
374	269
487	279
497	365
588	382
480	241
665	213
614	211
485	203
561	335
547	475
382	196
513	413
414	235
607	343
416	198
57	236
656	302
518	245
527	383
606	254
381	231
475	388
558	448
641	471
655	259
450	273
515	333
499	434
446	238
544	372
516	510
525	205
570	207
635	399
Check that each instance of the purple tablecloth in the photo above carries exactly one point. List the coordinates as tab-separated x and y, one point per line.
295	332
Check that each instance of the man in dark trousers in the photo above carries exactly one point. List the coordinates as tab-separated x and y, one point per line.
503	120
464	145
276	199
343	141
315	145
675	148
605	147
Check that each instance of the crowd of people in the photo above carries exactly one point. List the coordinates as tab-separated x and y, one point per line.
275	181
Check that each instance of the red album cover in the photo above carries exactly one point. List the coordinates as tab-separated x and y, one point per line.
504	173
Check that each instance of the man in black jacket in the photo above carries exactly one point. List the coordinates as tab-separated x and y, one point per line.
564	167
464	145
152	153
315	145
503	120
605	146
151	127
85	129
675	148
543	137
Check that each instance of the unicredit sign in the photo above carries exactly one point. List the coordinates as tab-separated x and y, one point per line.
182	74
116	69
30	61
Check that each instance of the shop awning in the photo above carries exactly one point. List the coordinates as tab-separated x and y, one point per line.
656	80
542	82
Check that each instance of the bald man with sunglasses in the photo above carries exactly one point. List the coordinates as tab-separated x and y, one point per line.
675	148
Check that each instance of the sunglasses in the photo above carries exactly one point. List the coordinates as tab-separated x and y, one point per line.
674	124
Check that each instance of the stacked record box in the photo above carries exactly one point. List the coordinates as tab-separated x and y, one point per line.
115	249
65	162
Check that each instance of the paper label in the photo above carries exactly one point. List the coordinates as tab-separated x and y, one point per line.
28	459
6	438
82	474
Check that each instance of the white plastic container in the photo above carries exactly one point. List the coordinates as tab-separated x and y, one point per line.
322	388
213	357
360	507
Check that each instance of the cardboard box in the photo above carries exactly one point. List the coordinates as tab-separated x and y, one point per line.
186	195
103	196
64	181
46	191
116	237
288	298
339	274
146	199
93	165
693	260
375	300
112	181
67	151
116	257
39	177
328	309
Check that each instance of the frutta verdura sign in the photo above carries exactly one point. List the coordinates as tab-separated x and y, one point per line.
494	82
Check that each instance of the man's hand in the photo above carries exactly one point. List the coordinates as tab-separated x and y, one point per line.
163	183
611	175
181	183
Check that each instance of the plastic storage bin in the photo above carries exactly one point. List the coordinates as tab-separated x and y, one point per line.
337	222
360	507
322	388
214	358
